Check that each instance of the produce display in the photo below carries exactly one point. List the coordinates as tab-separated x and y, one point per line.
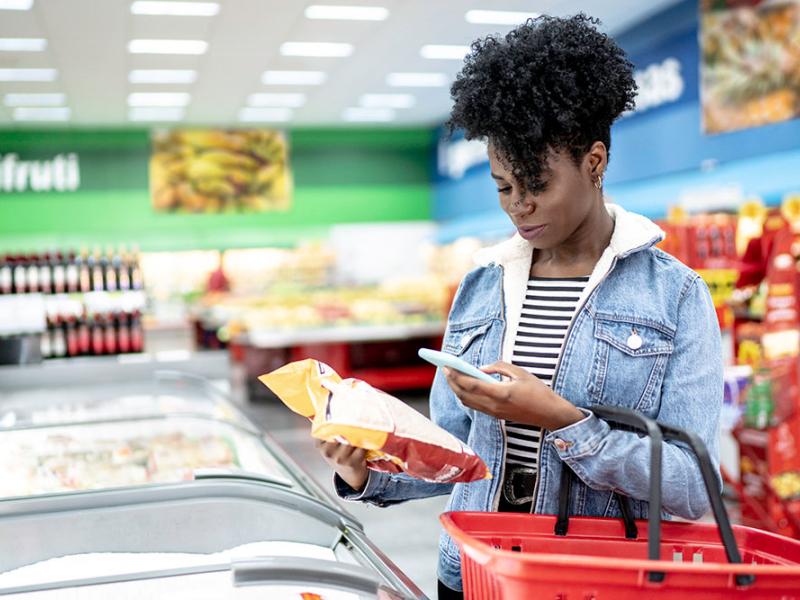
103	455
219	171
398	303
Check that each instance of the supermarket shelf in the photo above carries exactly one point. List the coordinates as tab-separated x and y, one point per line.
338	335
112	369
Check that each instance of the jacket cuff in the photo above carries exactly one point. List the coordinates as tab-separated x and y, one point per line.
579	439
375	485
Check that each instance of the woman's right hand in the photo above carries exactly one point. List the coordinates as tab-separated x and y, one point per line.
348	461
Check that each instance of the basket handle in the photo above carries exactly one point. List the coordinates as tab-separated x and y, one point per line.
657	432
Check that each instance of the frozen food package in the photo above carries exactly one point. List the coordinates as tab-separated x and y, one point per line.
350	411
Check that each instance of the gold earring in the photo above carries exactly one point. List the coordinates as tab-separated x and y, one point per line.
599	183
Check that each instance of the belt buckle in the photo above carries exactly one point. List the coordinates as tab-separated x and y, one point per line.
508	485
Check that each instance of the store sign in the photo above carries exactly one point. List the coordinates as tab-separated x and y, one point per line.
659	83
454	158
58	174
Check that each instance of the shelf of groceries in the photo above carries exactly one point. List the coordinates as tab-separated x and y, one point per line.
751	263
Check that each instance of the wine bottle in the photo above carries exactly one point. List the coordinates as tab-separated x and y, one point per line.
110	270
121	266
6	275
73	276
98	285
20	275
45	274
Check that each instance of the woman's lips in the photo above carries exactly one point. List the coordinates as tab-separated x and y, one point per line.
530	232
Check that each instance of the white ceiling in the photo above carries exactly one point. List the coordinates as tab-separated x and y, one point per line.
88	40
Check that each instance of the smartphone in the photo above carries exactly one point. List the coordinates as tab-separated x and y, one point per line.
443	359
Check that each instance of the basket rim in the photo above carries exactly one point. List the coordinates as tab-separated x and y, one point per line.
482	552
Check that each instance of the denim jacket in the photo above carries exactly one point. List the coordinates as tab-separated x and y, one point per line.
675	376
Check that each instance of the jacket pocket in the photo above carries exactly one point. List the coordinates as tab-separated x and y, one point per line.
465	339
628	363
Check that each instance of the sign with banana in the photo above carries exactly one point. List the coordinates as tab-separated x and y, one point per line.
214	170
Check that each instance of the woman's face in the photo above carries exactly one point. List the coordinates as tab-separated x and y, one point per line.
549	217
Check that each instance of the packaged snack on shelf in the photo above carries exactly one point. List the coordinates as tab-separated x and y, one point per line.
783	449
350	411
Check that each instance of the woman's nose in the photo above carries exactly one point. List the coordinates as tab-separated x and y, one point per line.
521	206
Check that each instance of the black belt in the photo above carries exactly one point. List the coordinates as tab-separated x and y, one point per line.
518	484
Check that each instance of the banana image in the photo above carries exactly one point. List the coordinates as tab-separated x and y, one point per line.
219	171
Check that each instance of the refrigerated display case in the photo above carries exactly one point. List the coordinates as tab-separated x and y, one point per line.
168	490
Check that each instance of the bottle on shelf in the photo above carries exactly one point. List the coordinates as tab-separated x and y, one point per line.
123	333
84	271
20	273
45	274
110	334
58	268
84	336
71	268
137	283
110	270
98	285
121	266
97	335
70	327
6	275
32	275
137	332
59	342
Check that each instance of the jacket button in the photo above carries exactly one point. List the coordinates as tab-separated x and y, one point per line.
634	341
560	444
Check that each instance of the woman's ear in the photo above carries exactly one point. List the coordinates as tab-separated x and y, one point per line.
597	160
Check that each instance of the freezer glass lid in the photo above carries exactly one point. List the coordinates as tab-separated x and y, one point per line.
283	570
86	456
168	393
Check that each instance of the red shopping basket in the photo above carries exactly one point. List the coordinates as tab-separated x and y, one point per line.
509	556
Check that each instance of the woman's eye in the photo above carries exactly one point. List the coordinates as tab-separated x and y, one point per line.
504	190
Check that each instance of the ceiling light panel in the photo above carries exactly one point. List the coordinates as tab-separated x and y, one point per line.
498	17
162	76
417	80
442	51
159	99
293	77
347	13
16	4
150	113
387	101
359	114
179	9
167	47
277	100
316	49
41	114
22	44
34	99
28	74
251	114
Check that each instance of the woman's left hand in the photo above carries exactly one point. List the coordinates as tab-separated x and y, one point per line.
521	397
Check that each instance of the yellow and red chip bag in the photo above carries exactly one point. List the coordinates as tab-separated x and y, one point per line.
350	411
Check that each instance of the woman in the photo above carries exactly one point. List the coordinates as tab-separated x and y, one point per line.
578	308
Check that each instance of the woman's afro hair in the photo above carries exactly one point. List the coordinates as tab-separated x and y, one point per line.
550	84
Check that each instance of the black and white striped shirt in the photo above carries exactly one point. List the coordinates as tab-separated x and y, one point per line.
546	313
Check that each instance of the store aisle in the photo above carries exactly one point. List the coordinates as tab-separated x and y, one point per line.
408	533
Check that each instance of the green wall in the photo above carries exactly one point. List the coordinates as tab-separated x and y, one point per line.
341	176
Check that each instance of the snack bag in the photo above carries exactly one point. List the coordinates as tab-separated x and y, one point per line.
350	411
